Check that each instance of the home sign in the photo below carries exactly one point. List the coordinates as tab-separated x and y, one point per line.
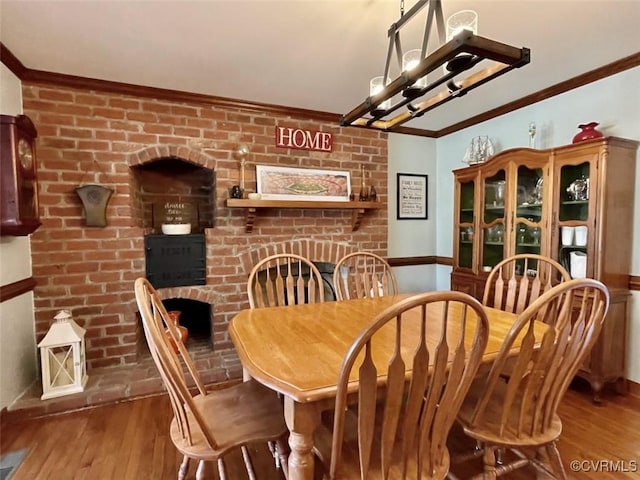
288	137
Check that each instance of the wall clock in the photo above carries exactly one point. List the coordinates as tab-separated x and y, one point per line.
18	180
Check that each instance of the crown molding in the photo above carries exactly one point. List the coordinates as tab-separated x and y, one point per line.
84	83
608	70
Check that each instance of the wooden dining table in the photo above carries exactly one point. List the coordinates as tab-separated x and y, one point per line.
297	350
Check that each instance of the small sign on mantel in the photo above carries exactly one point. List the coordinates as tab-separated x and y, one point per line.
289	137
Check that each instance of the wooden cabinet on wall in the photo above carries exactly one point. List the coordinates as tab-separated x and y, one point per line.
519	202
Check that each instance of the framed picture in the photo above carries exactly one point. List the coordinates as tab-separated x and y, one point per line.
288	183
412	196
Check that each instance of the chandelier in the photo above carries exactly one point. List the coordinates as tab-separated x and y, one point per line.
449	68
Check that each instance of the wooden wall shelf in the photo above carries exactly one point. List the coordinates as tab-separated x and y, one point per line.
252	207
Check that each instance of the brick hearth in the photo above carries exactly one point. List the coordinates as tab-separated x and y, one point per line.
121	383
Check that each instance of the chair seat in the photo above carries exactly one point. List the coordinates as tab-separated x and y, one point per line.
246	410
488	428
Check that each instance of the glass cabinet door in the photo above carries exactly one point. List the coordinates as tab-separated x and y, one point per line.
528	228
465	221
493	220
573	216
574	192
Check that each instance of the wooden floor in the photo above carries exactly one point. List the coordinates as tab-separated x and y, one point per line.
129	441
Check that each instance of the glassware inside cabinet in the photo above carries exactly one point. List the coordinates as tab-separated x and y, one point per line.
494	197
530	187
494	235
493	231
465	246
467	191
528	237
574	192
492	245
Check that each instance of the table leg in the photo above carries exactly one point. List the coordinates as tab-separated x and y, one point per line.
302	420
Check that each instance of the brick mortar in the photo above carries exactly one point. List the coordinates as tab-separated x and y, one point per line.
93	137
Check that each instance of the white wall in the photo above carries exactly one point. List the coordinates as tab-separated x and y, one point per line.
413	238
18	366
614	102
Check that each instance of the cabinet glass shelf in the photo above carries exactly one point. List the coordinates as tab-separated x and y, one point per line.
575	202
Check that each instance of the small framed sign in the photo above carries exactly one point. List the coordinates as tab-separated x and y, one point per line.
412	196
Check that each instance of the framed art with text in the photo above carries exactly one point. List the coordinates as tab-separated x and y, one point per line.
412	196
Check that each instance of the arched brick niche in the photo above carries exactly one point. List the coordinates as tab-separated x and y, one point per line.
177	186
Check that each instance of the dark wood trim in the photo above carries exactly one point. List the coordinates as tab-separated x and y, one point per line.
426	260
11	62
634	388
448	261
39	76
12	290
634	280
613	68
83	83
417	132
411	261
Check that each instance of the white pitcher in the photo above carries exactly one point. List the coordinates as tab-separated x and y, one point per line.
578	262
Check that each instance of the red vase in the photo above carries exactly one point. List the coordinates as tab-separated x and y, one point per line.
587	132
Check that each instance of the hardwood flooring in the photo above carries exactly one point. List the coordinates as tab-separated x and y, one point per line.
130	440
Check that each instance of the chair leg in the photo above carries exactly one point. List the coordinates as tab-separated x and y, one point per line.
222	471
184	468
247	462
204	470
554	461
489	461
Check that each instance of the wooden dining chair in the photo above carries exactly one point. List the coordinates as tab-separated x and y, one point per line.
363	274
208	424
517	281
402	426
284	279
515	405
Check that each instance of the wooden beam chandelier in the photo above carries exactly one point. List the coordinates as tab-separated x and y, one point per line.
459	53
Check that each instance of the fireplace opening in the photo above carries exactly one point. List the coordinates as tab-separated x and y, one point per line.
326	273
196	317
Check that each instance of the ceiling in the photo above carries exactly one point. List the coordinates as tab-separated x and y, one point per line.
311	54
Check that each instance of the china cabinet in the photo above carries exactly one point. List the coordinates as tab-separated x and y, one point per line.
572	203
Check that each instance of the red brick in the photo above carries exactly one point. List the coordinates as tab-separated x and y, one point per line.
98	137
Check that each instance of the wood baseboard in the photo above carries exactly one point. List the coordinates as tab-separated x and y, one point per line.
634	388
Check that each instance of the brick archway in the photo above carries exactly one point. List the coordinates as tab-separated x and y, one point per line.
182	152
314	250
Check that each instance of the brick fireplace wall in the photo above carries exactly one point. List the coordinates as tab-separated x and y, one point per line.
90	137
